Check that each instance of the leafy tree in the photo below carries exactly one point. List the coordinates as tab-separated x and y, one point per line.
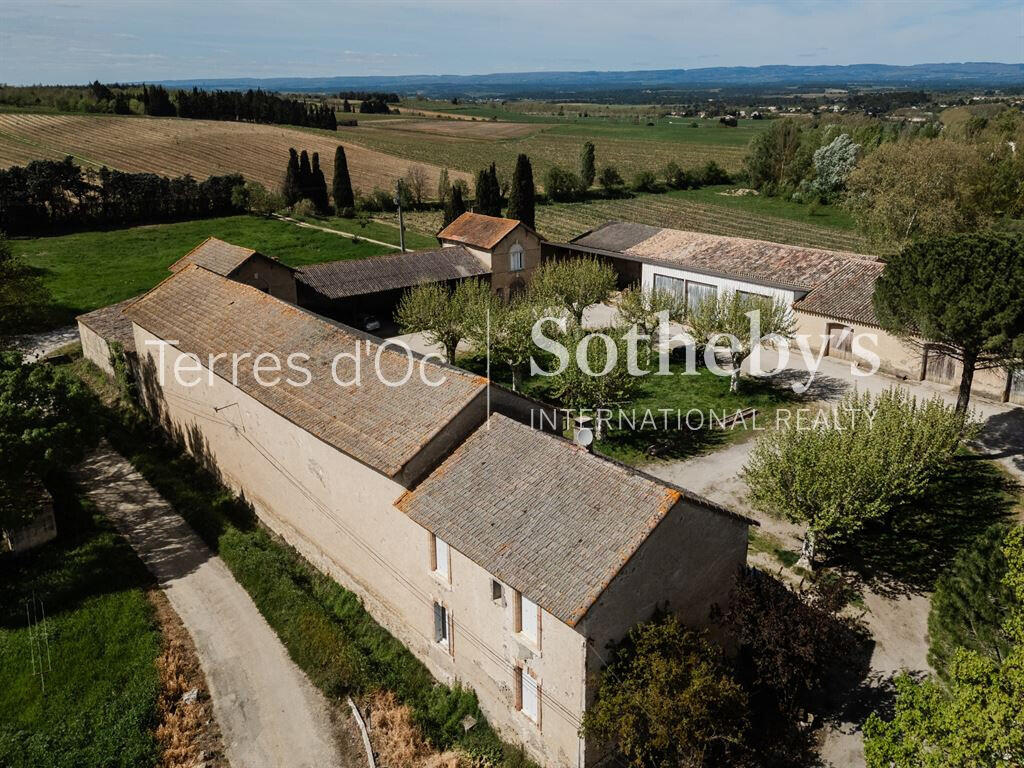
257	199
602	383
975	717
318	186
850	470
642	308
611	181
573	285
21	293
729	313
587	166
771	160
455	206
645	181
507	331
291	190
710	174
46	422
971	603
415	181
964	293
344	200
522	197
562	185
833	164
919	189
444	187
444	316
665	700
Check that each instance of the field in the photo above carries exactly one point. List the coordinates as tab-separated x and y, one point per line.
173	147
701	210
101	680
88	270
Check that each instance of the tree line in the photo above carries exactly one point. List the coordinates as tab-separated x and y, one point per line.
252	106
49	194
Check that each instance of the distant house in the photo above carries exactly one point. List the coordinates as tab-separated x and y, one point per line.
509	248
830	292
504	558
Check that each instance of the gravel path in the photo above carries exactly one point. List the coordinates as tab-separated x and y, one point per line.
269	712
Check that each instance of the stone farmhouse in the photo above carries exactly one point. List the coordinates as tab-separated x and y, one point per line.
504	557
830	292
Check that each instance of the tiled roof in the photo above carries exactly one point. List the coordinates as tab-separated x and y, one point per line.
545	516
847	295
216	256
381	426
477	230
111	324
354	277
790	266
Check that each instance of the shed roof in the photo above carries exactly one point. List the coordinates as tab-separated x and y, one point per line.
216	256
111	324
477	230
355	277
548	518
789	266
847	294
382	426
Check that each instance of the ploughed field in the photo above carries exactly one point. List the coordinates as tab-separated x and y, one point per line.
173	147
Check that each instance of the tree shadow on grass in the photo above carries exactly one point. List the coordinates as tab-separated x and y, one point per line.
907	556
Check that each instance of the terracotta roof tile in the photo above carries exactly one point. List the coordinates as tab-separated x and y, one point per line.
381	426
847	294
355	277
111	324
475	229
545	516
216	256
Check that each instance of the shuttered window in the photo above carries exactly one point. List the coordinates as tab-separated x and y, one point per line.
697	293
440	558
527	694
442	626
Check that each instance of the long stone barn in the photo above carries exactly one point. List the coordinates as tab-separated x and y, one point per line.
504	557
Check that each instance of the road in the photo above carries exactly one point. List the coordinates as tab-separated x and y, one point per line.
269	712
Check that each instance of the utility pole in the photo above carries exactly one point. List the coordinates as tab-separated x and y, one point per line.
401	221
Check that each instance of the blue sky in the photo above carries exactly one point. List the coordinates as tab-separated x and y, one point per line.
73	41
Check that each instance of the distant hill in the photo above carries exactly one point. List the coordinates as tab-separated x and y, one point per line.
555	84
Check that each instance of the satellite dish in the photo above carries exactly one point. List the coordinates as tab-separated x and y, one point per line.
584	436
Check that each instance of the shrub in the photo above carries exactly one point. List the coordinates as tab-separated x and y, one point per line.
562	185
610	180
871	458
645	181
304	208
710	174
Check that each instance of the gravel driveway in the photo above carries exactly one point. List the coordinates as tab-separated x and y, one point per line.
269	712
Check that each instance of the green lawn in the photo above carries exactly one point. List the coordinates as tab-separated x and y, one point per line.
375	230
88	270
101	682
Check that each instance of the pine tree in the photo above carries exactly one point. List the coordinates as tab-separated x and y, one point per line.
344	200
291	189
319	186
305	176
521	198
587	165
454	207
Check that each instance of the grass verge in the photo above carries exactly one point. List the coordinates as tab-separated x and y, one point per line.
96	704
325	627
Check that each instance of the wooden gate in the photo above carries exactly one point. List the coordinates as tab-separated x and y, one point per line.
940	367
840	341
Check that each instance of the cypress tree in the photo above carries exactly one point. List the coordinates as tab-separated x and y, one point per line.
454	206
319	186
342	184
495	192
488	193
587	165
291	190
305	176
521	198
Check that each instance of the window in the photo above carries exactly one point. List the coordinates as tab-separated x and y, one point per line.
527	694
673	285
698	292
515	258
440	558
442	627
749	296
497	591
526	619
